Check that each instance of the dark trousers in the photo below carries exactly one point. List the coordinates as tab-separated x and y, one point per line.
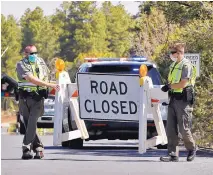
179	121
30	110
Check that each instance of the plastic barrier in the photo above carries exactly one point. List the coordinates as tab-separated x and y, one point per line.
64	97
150	98
150	104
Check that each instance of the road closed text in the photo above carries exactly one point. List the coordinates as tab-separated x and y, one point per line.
106	105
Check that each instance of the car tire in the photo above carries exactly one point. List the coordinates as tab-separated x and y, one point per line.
162	146
65	144
76	144
22	129
73	144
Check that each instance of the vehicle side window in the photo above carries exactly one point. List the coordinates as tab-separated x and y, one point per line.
155	76
82	68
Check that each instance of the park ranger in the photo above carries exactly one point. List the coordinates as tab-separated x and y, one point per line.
180	85
33	74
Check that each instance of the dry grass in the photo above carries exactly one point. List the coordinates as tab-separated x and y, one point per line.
8	117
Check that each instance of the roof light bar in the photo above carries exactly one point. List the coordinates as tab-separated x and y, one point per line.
115	59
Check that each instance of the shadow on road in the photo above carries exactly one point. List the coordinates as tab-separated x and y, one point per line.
120	151
85	160
113	151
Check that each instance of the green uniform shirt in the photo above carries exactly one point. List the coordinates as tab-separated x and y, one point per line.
38	69
24	68
182	70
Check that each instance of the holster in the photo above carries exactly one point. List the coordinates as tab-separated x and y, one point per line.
16	93
44	93
189	95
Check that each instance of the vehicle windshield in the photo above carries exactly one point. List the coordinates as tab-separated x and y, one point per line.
48	109
126	69
48	112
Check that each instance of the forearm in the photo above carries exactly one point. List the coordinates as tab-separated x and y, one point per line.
181	84
37	81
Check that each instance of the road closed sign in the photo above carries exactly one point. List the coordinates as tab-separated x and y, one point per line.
195	60
108	96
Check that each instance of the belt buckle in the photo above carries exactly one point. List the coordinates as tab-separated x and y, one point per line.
28	90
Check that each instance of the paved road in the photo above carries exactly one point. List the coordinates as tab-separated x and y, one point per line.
98	157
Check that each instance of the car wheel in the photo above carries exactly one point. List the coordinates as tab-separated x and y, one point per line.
162	146
22	129
76	144
73	144
65	144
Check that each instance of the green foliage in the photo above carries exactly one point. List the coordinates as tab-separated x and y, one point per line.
181	12
11	38
76	17
91	30
119	24
191	23
37	29
199	37
151	34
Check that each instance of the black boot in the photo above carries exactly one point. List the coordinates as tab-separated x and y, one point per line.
27	155
169	158
191	155
39	155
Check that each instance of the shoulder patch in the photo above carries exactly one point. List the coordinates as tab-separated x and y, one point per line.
25	60
41	61
185	66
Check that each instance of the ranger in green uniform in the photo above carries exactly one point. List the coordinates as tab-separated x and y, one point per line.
33	76
180	85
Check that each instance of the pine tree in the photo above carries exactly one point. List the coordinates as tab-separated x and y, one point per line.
11	38
119	24
38	30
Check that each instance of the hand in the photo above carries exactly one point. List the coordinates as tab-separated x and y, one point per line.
166	87
55	86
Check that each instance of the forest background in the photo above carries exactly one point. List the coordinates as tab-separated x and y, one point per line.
81	29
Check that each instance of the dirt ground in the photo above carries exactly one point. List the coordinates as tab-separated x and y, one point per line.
8	117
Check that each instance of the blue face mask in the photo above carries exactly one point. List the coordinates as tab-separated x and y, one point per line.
32	58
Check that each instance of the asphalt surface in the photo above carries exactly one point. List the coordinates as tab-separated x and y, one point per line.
98	157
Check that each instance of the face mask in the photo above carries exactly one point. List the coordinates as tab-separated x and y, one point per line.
32	58
173	58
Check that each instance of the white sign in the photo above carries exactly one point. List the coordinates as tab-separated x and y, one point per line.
104	98
195	60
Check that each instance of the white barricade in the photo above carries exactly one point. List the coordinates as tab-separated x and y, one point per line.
63	97
149	103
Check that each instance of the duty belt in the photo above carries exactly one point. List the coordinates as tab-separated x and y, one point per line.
177	96
37	95
29	87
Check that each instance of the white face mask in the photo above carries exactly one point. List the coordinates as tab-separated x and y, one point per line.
173	58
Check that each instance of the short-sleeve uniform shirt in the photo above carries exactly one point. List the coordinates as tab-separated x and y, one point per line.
186	71
24	68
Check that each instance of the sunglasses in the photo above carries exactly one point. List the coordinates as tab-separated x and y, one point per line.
33	53
173	52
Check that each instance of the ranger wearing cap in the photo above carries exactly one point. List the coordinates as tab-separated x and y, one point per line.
181	81
33	74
